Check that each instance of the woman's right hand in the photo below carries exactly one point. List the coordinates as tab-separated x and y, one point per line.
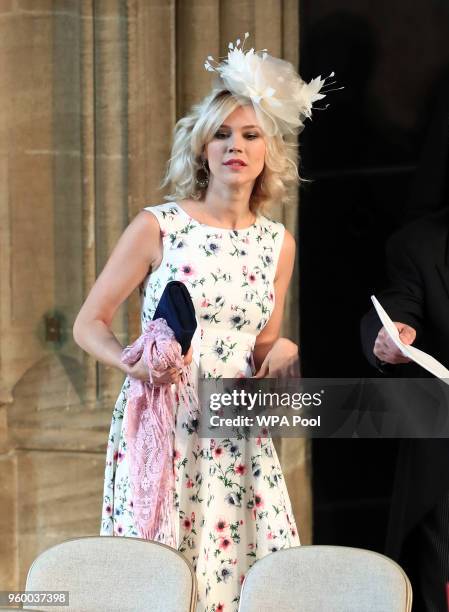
140	371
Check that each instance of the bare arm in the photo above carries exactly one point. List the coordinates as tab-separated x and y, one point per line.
269	336
137	251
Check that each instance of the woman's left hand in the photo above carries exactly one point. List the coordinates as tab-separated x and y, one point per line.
282	361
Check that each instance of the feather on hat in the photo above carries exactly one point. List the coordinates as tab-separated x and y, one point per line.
281	99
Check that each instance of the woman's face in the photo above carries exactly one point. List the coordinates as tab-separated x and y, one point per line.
239	138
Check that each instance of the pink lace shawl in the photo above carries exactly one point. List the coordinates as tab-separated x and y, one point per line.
149	431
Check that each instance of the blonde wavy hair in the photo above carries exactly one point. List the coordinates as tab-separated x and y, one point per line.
198	128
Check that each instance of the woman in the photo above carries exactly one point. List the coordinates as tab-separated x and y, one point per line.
229	160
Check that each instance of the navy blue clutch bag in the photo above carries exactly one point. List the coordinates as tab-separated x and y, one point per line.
176	307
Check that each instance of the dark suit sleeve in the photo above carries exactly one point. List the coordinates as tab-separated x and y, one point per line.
404	298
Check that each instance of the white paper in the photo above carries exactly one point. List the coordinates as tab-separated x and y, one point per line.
423	359
196	343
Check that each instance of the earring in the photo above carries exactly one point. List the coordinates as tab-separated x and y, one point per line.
202	177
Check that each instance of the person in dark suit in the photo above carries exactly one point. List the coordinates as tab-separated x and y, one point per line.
417	300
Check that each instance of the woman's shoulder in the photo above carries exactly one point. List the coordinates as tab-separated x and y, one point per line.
169	215
164	210
274	236
271	228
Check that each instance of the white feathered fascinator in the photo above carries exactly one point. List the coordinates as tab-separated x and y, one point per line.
281	99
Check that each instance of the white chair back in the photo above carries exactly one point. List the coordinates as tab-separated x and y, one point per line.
317	578
115	574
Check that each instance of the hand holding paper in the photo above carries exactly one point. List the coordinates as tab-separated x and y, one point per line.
420	357
387	350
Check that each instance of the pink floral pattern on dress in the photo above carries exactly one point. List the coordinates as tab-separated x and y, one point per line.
231	500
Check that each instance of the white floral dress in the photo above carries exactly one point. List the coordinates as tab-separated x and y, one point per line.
230	494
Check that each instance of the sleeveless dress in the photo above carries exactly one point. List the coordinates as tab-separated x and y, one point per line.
230	496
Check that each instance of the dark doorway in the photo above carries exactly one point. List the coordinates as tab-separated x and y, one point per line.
364	156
